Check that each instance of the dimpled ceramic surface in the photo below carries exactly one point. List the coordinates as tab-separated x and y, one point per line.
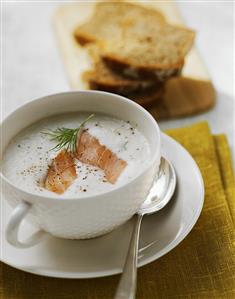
105	255
82	219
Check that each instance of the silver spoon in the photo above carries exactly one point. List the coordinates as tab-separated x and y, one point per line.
158	197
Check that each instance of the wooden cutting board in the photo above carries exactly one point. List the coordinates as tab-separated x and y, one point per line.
187	95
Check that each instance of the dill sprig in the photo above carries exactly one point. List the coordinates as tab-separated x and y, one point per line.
66	138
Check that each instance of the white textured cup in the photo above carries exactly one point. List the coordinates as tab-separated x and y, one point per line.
82	216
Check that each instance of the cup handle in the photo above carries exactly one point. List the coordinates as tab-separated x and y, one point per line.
13	226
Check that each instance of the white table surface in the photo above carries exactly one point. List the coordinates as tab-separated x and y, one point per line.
32	67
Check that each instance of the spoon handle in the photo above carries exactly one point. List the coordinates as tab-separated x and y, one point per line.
127	284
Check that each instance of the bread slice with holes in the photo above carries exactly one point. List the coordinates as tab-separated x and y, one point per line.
103	78
157	54
146	96
117	20
136	41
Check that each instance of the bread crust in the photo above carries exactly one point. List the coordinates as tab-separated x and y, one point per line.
103	78
145	97
156	72
122	89
83	39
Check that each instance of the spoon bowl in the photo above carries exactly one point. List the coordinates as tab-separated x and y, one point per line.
162	189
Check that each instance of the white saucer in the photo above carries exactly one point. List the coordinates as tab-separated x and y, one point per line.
105	255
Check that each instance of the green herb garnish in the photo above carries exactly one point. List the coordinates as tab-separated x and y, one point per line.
66	138
124	145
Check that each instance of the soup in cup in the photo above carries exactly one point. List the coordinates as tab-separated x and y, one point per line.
77	164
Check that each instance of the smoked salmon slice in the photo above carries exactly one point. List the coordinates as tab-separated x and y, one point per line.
61	173
90	151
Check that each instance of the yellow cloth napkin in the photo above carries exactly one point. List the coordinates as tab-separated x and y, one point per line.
226	170
202	266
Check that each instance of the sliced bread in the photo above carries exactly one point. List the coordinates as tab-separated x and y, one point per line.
117	20
160	53
145	97
103	78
